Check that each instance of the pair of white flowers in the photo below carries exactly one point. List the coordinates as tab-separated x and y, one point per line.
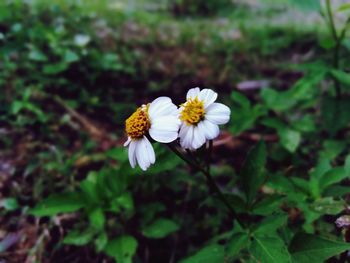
194	123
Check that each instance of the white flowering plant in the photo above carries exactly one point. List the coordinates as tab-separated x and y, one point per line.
254	174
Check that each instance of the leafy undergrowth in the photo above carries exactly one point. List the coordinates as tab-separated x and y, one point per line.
71	74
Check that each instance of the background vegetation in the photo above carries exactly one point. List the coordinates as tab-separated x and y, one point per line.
71	72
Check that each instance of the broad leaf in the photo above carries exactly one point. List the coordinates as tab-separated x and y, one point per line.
270	224
160	228
97	218
331	177
122	249
236	243
341	76
58	203
79	238
209	254
328	206
306	248
266	249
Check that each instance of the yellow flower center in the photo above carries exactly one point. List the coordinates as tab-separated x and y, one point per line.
138	123
193	111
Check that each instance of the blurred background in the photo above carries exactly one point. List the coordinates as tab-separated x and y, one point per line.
72	71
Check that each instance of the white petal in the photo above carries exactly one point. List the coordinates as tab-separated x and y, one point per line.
165	129
132	154
150	151
211	131
186	136
127	142
218	113
183	130
198	137
208	96
162	106
142	154
192	93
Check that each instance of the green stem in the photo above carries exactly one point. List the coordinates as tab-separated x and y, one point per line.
211	182
338	40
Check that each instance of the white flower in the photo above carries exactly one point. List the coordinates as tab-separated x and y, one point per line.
159	120
200	116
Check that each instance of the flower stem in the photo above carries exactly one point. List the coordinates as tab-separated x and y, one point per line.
338	40
210	181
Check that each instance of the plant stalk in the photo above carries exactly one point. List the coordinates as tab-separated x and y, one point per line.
338	40
210	181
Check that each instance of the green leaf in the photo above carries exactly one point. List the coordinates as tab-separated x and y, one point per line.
37	55
122	249
270	224
78	238
306	248
97	218
53	69
347	164
289	138
266	249
341	76
236	202
10	204
277	101
303	90
237	242
243	116
268	205
210	254
335	107
160	228
253	171
343	7
331	177
328	206
331	149
101	241
305	124
70	56
58	203
119	154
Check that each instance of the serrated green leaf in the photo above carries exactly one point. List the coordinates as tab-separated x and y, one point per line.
269	249
306	248
160	228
